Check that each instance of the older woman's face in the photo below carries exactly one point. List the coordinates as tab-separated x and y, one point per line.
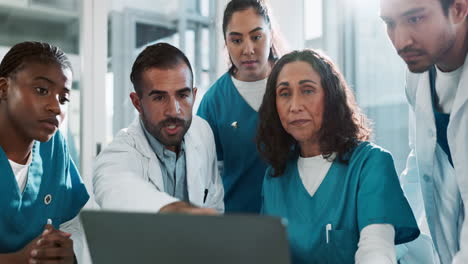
300	102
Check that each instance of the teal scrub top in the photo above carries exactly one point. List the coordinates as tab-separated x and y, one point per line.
53	190
352	196
234	125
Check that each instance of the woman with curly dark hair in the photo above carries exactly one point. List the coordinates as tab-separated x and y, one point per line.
337	190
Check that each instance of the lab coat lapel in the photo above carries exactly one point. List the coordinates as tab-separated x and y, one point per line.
457	131
195	185
145	149
425	125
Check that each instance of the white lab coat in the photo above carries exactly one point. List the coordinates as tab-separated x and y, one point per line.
127	174
427	159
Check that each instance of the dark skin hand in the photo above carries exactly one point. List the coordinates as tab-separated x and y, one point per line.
186	208
21	256
51	247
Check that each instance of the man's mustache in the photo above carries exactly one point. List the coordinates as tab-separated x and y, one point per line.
172	121
407	50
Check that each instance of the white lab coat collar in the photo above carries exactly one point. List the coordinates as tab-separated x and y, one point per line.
461	97
192	148
425	117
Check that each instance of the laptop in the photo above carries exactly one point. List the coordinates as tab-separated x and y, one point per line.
127	238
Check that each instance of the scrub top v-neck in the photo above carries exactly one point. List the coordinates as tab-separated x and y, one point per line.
352	196
54	190
234	124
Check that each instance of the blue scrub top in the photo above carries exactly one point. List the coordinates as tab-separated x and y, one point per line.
352	196
53	190
234	125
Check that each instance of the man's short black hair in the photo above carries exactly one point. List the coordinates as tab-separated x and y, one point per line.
160	56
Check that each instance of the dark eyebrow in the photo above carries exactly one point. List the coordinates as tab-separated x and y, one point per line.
65	89
255	29
250	32
156	92
282	83
159	92
44	79
183	90
307	81
300	82
413	11
407	13
235	34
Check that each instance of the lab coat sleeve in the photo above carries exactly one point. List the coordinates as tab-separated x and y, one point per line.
420	250
75	228
462	256
376	245
215	197
119	181
409	178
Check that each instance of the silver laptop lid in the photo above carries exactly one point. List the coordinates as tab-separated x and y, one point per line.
126	238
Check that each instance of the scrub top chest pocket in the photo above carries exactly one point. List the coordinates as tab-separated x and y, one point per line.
341	246
351	197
